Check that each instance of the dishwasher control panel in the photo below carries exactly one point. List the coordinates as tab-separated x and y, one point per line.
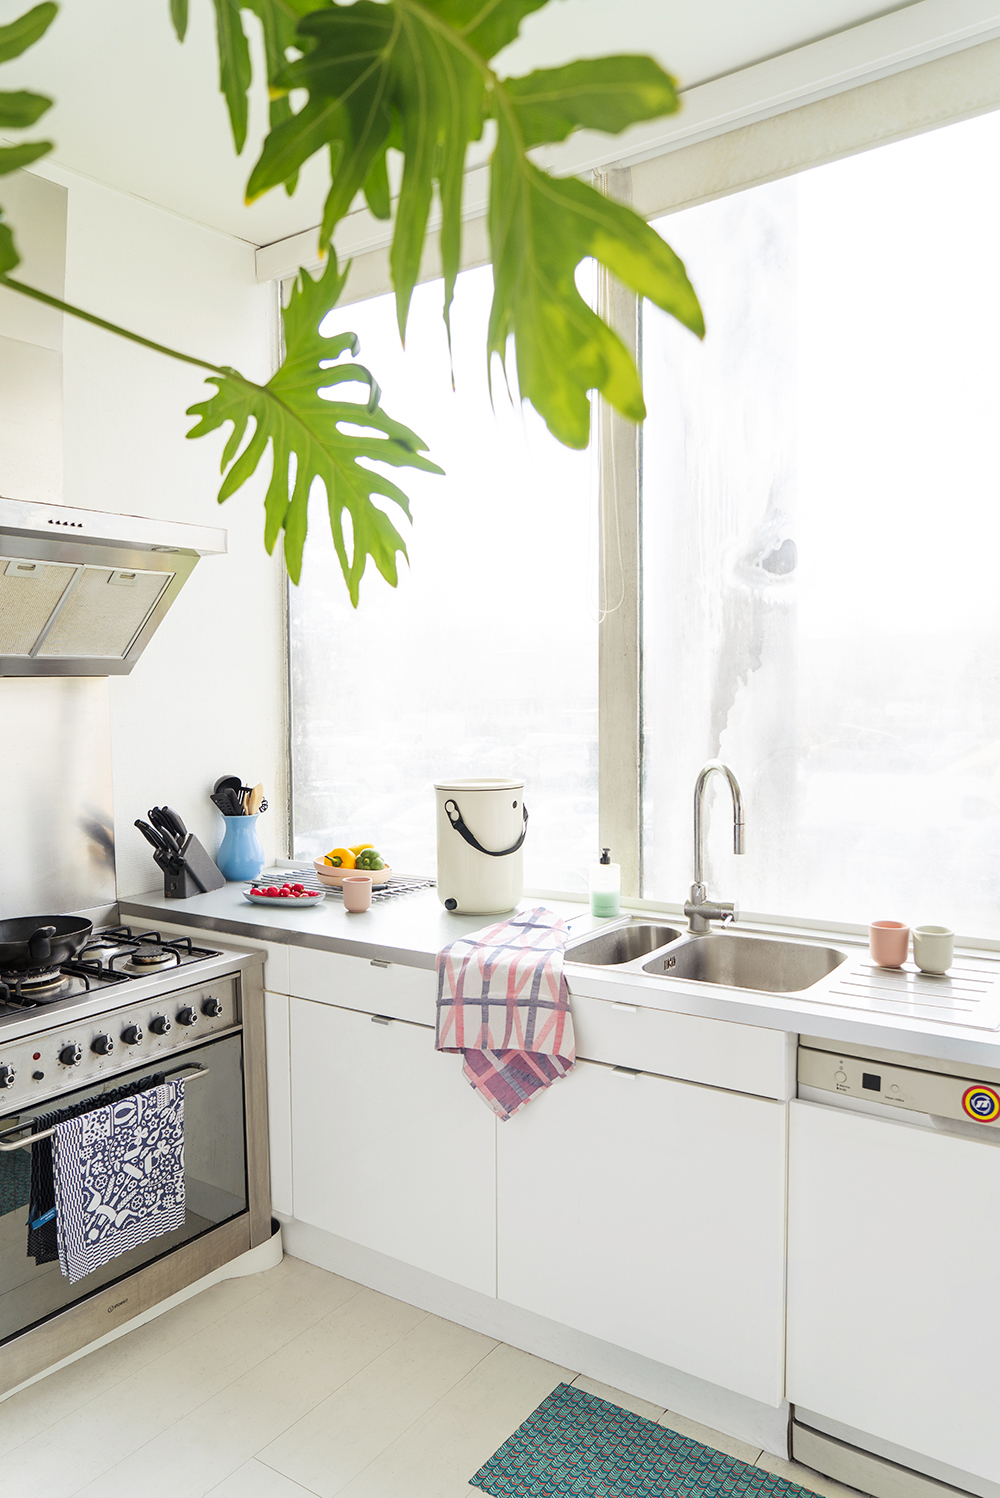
904	1087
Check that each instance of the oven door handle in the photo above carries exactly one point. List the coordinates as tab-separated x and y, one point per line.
17	1144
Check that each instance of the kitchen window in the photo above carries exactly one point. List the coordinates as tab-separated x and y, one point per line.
813	579
821	528
483	661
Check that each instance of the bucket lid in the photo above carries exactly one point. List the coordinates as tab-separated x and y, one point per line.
479	785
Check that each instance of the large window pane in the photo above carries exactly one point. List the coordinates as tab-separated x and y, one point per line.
822	529
484	660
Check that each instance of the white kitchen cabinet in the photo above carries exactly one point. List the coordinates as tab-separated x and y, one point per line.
391	1147
650	1213
388	988
893	1312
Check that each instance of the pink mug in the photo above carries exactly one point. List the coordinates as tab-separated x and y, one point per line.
357	892
888	943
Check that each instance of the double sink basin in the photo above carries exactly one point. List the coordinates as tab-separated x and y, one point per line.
762	964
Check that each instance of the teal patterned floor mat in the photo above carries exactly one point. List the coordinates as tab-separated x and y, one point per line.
580	1446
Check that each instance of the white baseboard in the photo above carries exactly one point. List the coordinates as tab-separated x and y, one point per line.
761	1425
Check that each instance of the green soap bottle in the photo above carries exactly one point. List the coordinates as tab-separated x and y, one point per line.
605	886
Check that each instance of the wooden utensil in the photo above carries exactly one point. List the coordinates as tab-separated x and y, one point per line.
254	800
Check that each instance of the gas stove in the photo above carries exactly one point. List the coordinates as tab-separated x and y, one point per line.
132	1006
114	956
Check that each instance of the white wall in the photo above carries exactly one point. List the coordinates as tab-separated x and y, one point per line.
207	696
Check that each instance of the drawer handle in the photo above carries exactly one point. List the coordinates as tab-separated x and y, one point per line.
374	962
627	1071
381	1019
627	1008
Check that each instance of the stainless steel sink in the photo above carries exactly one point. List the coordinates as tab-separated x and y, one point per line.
747	962
623	944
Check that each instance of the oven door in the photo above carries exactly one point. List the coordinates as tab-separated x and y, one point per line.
215	1176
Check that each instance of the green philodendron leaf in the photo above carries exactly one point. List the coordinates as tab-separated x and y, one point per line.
26	31
305	433
602	93
19	110
179	17
234	66
9	257
13	158
380	74
540	230
414	74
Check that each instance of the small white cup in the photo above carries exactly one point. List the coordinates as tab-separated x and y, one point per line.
933	948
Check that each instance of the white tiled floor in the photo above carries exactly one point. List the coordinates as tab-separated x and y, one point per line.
294	1383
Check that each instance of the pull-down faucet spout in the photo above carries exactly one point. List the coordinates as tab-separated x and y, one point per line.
700	911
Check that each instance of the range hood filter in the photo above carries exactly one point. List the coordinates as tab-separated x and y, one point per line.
81	593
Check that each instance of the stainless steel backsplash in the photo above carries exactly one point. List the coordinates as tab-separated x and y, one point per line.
56	807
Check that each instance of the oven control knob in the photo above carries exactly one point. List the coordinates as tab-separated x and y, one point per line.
132	1035
71	1055
159	1024
102	1045
212	1008
187	1016
7	1075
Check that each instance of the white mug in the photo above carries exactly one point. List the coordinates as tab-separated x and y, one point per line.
933	948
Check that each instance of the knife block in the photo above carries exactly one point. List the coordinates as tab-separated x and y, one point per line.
199	873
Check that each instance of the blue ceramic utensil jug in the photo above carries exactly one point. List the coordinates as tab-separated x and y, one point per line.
241	855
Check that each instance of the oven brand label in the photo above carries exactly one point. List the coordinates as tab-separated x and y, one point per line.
116	1304
981	1103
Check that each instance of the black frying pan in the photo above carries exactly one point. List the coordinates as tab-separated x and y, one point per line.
41	941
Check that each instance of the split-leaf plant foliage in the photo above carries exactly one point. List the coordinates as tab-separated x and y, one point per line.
414	77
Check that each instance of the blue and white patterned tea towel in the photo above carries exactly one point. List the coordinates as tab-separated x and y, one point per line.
119	1177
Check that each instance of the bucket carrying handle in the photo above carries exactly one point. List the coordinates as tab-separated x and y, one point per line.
455	818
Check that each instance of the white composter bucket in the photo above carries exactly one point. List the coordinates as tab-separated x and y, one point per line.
481	825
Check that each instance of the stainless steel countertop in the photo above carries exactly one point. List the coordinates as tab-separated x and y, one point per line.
411	929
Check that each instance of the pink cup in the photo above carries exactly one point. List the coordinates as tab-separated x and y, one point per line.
357	892
888	942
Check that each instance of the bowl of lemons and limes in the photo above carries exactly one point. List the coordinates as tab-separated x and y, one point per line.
360	858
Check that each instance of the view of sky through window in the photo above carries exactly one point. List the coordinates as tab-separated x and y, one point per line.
822	528
483	662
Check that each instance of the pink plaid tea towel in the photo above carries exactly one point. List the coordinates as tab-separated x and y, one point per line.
504	1003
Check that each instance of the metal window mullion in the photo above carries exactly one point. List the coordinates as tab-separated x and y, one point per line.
620	639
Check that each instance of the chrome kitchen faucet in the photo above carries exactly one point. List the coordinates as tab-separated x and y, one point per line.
699	910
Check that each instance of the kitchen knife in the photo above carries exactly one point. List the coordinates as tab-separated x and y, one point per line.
152	837
164	828
176	821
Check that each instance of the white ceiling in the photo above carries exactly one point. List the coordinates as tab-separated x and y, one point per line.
141	113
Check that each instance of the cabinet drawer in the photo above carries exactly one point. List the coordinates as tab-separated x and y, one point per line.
743	1058
355	983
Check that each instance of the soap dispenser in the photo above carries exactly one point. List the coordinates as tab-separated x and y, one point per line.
605	886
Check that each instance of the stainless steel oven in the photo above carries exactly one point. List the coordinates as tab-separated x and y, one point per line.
200	1018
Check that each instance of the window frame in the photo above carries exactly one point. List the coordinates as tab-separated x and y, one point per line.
919	97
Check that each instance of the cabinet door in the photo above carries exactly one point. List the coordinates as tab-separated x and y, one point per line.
391	1147
893	1313
650	1213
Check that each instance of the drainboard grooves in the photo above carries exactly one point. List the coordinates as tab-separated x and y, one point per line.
969	995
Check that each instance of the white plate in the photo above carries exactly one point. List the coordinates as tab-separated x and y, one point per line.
308	897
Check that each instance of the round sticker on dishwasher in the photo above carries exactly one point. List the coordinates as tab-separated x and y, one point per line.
981	1103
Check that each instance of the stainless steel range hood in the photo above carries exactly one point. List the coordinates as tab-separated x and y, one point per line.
81	592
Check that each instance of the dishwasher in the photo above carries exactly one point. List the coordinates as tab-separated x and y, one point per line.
893	1364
